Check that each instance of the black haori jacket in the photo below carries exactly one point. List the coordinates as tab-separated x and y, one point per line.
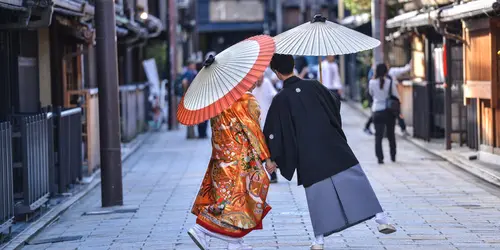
304	132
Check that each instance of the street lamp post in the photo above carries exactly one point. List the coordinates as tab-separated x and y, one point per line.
378	29
109	113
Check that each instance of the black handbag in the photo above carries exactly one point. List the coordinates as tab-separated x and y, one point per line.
392	103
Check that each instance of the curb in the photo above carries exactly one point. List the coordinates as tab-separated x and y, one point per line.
470	167
19	241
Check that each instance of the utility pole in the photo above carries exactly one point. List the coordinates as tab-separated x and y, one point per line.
170	65
378	29
109	113
303	13
168	71
172	12
279	17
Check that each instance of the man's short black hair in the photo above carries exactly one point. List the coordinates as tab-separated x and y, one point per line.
283	64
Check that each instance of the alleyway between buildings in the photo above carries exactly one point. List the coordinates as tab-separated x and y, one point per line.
433	204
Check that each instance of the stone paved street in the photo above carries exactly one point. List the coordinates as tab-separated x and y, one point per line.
434	205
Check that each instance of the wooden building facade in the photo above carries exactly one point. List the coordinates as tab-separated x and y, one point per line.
455	72
49	110
482	80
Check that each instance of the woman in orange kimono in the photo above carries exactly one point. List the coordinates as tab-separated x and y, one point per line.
232	199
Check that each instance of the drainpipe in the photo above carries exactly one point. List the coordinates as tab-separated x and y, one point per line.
340	16
447	94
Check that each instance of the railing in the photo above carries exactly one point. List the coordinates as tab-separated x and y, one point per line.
68	149
33	158
6	185
132	111
88	101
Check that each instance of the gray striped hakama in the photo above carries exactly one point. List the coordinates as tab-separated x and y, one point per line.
341	201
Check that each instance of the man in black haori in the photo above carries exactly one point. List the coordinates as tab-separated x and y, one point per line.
304	132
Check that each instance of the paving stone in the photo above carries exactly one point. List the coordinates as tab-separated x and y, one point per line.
420	196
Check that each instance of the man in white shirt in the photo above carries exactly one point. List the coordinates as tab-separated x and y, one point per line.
331	76
264	92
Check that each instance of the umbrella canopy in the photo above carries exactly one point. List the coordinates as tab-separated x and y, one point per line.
321	37
224	78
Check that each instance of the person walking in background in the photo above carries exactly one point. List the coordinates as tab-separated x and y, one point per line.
304	133
331	76
393	73
264	92
188	77
231	201
381	87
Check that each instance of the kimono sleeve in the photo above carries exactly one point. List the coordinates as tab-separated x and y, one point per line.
248	113
279	130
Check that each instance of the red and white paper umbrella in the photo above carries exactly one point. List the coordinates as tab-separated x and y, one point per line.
225	78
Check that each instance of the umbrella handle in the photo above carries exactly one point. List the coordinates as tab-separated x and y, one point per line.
320	70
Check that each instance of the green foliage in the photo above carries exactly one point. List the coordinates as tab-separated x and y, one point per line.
393	10
158	51
364	60
358	6
366	104
365	57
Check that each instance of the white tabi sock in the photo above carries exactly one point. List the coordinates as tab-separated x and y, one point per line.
217	235
381	218
320	240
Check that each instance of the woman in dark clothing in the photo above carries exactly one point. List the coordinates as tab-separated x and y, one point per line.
384	120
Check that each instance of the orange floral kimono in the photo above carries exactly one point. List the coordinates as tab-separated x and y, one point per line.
232	197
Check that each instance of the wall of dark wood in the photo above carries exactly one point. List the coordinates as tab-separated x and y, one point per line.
56	51
8	73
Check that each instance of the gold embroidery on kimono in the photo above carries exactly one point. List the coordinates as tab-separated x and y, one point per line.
232	197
